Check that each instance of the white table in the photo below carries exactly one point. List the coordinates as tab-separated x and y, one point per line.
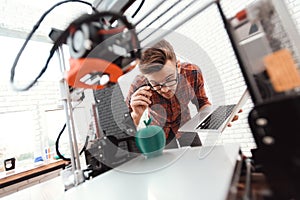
177	174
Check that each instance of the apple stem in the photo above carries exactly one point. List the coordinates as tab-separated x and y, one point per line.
147	123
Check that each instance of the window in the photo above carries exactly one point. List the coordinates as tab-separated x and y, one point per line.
17	138
24	124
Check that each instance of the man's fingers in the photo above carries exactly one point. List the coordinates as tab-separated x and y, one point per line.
178	135
141	98
138	103
236	117
145	91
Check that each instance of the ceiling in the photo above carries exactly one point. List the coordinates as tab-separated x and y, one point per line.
18	17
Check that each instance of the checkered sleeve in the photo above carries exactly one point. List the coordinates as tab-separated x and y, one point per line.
197	81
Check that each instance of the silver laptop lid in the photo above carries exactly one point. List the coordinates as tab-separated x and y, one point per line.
218	117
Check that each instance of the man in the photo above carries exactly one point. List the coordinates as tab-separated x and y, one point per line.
165	87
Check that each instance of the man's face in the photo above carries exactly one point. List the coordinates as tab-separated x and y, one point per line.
164	81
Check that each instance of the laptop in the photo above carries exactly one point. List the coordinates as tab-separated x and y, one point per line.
213	119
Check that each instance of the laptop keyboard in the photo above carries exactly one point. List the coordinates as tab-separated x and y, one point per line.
217	117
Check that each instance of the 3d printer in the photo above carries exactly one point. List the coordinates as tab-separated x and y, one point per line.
269	59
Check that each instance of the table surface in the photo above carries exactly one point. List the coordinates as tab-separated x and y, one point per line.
14	176
177	174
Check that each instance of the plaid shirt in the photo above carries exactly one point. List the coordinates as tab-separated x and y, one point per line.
172	113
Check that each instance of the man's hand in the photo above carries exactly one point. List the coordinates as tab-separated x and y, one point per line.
236	117
140	100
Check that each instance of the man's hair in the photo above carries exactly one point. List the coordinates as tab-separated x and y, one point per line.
154	58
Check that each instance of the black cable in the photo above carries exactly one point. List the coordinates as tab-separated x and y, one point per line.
35	27
57	145
138	9
85	145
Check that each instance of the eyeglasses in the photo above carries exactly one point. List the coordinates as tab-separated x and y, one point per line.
168	83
